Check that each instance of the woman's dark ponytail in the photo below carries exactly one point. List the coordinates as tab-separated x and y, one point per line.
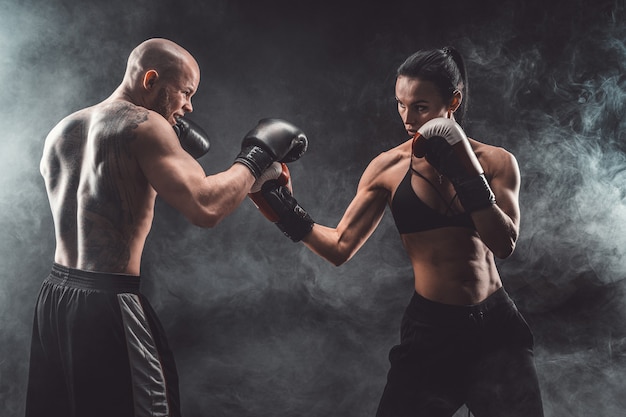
464	83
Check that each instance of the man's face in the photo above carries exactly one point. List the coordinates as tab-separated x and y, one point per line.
173	97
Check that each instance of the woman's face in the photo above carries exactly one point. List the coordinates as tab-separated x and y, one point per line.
418	102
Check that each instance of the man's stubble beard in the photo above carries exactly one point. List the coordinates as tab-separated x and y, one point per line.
162	105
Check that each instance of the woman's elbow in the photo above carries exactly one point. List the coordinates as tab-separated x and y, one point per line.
339	257
338	260
504	250
331	254
503	253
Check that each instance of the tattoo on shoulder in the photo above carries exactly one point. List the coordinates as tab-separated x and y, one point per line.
130	117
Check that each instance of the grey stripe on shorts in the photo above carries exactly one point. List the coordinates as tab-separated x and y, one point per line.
149	389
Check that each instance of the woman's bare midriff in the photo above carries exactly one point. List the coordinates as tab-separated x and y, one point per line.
452	266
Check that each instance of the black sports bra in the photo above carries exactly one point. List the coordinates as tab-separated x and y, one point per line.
413	215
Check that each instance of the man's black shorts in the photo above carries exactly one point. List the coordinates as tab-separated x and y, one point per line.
98	349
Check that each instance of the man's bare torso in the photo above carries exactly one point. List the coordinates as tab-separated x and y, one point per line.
101	202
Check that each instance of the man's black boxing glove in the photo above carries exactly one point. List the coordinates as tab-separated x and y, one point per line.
270	141
192	137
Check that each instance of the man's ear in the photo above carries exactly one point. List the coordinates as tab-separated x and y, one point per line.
457	98
149	79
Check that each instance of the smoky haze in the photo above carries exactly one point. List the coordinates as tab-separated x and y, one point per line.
259	325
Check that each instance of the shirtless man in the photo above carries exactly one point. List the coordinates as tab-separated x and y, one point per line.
98	348
455	203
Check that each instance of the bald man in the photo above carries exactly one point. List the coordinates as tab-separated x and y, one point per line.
98	348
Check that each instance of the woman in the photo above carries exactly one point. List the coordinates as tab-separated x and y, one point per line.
455	203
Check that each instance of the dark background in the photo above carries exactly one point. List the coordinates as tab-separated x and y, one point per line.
259	325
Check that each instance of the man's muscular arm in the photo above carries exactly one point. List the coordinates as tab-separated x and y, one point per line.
180	180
